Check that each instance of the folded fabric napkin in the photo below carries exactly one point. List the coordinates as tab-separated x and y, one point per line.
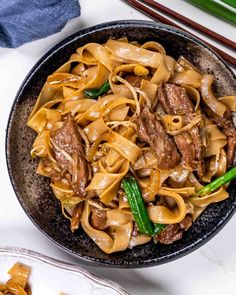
22	21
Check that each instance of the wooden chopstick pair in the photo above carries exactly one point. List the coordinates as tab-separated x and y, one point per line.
142	5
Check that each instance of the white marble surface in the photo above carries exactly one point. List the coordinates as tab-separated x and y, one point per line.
210	270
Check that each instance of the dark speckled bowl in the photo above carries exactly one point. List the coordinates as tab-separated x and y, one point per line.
33	191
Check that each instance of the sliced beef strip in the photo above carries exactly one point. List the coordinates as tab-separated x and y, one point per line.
231	145
174	232
98	218
151	132
226	124
175	101
67	143
162	98
195	134
186	147
134	80
170	234
186	222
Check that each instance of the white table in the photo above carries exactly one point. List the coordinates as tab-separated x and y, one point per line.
210	270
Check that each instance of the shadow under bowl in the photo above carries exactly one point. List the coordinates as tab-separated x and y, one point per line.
33	191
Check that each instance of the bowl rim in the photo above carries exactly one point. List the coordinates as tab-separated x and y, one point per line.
65	42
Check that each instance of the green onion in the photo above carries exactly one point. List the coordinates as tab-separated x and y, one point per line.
158	228
231	3
137	206
96	92
216	9
138	209
218	182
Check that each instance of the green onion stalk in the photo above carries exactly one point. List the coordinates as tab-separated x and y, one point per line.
217	9
96	92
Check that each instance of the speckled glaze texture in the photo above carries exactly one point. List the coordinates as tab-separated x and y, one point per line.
33	191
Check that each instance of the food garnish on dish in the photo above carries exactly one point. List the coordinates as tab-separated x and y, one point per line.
135	143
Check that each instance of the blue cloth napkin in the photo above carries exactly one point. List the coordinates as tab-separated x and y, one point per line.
22	21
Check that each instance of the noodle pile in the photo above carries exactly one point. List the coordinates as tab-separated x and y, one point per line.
18	283
108	130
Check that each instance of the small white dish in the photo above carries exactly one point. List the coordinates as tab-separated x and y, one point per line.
52	277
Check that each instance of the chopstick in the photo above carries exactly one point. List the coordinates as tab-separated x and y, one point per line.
192	24
154	15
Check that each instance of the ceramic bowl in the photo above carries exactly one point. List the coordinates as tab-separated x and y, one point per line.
33	191
67	278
